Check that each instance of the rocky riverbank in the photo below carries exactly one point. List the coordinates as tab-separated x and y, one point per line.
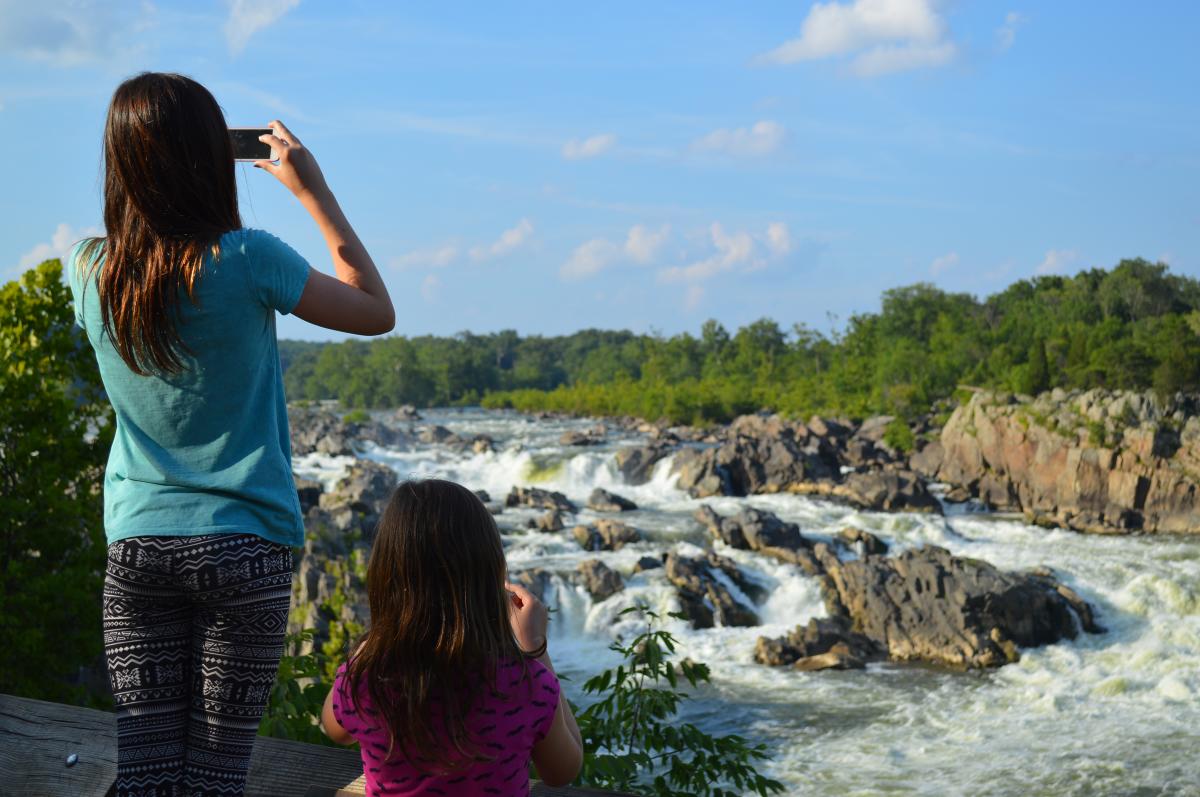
1097	461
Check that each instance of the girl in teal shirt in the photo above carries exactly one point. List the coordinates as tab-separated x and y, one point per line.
178	301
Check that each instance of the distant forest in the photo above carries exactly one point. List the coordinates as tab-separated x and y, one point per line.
1135	326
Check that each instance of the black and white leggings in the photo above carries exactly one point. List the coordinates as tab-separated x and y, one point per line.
193	632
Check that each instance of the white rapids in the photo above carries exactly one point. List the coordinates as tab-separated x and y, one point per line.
1117	713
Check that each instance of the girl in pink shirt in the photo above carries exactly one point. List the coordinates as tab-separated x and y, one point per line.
452	690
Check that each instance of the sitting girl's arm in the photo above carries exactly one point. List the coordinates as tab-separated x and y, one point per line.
329	724
559	755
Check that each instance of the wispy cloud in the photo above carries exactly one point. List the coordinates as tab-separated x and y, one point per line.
762	138
73	32
508	241
641	245
431	288
878	36
437	257
1057	260
943	263
247	17
1006	34
64	237
577	149
737	251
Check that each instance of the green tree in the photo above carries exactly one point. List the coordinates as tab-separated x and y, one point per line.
633	741
55	430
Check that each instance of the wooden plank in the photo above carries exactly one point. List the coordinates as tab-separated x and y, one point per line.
36	738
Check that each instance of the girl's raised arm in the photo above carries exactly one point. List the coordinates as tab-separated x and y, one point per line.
356	301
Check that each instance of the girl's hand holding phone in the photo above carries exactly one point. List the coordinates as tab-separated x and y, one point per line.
529	618
297	168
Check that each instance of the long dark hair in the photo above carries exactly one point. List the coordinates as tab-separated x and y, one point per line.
439	621
169	195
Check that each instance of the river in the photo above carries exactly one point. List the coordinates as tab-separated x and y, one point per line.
1116	713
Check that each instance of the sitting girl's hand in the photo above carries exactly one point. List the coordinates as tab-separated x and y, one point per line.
528	616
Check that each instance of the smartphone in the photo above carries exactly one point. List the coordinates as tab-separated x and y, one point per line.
247	147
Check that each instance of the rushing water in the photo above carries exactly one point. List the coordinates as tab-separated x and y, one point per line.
1117	713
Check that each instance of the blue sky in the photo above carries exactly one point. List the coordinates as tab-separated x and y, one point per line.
549	167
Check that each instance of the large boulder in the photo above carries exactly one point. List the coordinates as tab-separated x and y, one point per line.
365	488
889	490
928	605
1095	461
824	643
602	500
538	498
599	579
703	595
636	463
758	456
320	430
605	535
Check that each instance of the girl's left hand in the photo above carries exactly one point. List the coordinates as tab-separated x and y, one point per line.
529	617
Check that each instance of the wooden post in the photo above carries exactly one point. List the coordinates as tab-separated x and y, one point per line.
39	739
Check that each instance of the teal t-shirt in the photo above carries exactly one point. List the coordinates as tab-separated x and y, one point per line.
205	450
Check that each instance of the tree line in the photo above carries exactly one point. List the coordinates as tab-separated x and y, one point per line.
1135	326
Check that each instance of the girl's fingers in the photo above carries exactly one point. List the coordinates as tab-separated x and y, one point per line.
277	144
281	130
525	597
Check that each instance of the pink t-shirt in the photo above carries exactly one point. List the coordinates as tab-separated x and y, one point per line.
506	728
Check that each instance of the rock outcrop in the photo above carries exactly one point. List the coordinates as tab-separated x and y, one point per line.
926	605
826	457
1096	461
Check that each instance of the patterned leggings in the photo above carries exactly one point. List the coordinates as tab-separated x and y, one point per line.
193	633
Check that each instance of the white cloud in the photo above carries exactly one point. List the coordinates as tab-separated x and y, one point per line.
693	296
65	236
508	241
589	258
901	58
437	257
642	245
943	263
247	17
762	139
1057	260
779	240
1006	34
576	149
431	288
73	32
880	36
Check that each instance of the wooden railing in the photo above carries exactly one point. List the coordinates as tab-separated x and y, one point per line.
52	750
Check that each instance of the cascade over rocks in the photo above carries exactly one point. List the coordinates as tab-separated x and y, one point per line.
704	598
602	500
1095	461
